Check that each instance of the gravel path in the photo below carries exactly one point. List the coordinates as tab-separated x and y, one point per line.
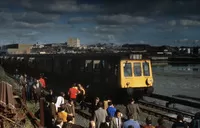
81	121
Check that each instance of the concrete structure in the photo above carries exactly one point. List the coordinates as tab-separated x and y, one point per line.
18	48
73	42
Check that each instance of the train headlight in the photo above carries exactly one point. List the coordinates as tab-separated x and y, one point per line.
127	84
149	81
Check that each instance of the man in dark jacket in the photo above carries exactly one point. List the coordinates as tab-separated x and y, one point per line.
133	108
179	122
70	123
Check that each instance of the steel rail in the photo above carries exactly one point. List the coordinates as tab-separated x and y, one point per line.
187	97
176	100
163	109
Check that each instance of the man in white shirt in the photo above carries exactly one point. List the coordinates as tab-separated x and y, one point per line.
60	100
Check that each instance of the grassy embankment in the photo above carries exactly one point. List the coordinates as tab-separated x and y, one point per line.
16	88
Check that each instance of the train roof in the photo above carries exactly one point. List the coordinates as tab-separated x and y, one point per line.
93	55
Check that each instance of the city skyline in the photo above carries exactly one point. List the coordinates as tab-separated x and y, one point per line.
159	22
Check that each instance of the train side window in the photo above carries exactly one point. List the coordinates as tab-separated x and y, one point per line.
127	70
96	65
103	63
88	65
137	69
69	64
146	69
82	65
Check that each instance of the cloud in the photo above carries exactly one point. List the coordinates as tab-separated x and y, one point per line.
109	33
122	19
184	22
172	22
34	17
109	29
153	8
58	6
112	19
26	19
29	25
187	22
75	20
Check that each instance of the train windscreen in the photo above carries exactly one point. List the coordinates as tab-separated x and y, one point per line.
127	70
146	69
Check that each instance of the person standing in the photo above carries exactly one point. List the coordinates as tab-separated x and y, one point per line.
108	123
62	114
52	108
179	122
117	120
195	123
82	96
42	81
70	123
111	109
60	100
131	122
29	88
133	108
94	106
148	123
59	123
100	115
50	97
70	109
37	91
73	92
160	123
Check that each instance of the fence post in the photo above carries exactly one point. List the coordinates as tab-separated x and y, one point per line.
42	111
24	94
1	123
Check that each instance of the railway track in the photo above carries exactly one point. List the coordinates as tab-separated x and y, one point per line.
176	100
162	111
152	109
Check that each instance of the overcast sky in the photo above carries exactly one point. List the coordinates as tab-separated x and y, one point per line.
154	22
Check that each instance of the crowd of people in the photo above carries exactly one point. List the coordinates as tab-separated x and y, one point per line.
60	110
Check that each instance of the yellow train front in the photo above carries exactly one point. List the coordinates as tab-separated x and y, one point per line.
136	77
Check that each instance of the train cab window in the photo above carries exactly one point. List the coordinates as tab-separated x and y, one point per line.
88	65
137	69
96	65
103	63
146	69
127	70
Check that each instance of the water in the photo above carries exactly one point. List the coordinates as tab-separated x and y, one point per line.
177	79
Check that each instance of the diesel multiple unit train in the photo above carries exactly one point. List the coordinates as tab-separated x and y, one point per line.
107	74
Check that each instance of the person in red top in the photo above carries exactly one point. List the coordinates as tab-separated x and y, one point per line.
42	81
73	92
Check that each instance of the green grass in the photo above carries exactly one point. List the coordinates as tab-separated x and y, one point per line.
7	78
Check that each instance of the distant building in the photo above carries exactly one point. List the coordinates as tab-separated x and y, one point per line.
186	50
18	48
73	42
